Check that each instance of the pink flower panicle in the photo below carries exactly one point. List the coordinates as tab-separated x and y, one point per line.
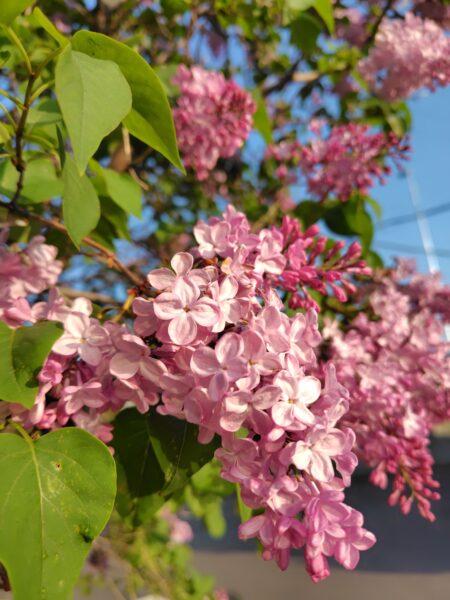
24	272
397	368
350	159
302	250
408	54
213	118
211	345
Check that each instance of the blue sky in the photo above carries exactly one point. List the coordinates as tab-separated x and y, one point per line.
430	168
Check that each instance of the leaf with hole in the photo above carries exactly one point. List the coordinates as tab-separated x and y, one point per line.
56	496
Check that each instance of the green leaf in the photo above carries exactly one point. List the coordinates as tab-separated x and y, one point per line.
261	119
245	512
351	218
305	30
325	10
45	112
81	207
214	518
125	192
5	135
309	211
45	23
10	9
151	118
40	183
376	206
94	98
158	453
56	496
23	351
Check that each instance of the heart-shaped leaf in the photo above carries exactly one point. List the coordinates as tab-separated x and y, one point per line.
56	496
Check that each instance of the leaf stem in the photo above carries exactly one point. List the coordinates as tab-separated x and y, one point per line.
18	427
16	41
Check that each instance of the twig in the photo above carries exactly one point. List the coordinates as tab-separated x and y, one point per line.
94	296
268	217
284	80
377	23
110	258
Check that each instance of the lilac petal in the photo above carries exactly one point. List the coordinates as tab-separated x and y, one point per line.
186	291
205	312
204	362
161	279
321	467
90	354
283	414
228	289
218	386
309	389
123	366
266	397
182	263
152	369
228	347
76	324
167	306
183	329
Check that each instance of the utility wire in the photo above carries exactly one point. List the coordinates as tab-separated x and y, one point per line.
441	252
428	212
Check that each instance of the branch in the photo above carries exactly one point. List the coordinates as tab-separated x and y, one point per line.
284	80
94	296
377	23
110	258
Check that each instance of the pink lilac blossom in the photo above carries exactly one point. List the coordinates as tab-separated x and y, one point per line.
396	365
351	159
213	118
408	54
351	25
212	345
23	272
252	367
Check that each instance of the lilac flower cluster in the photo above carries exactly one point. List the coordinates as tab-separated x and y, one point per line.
213	118
397	368
349	159
408	54
212	345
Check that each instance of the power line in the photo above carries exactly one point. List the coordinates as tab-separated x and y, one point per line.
411	249
429	212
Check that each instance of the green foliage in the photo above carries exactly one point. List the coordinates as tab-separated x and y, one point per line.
158	455
122	189
46	24
10	9
23	352
40	184
81	207
56	495
150	119
261	120
82	83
